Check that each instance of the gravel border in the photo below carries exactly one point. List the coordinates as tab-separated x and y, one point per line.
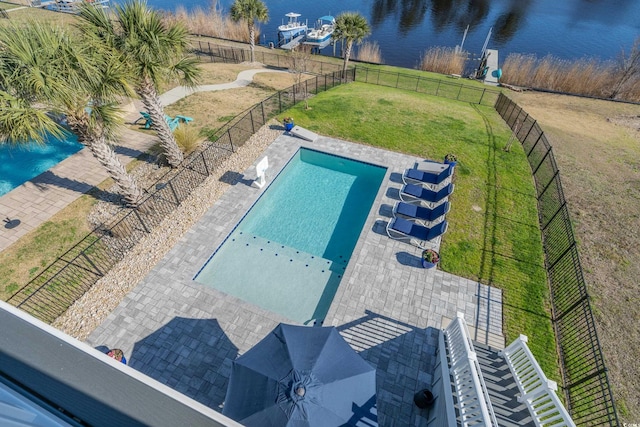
88	312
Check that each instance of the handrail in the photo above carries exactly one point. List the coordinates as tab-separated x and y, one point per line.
473	398
536	391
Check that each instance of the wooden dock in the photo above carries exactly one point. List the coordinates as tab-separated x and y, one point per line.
293	43
491	78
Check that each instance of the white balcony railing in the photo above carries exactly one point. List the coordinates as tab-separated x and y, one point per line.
473	398
536	391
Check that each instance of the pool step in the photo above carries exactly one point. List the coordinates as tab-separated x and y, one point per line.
280	253
296	284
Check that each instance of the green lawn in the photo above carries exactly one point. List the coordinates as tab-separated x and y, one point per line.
493	235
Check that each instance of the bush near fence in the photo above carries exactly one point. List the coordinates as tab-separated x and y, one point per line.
586	384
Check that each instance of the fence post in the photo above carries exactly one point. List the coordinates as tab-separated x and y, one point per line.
264	118
438	88
173	190
204	161
253	126
511	103
417	83
534	144
137	214
230	140
459	91
482	96
529	131
548	184
541	161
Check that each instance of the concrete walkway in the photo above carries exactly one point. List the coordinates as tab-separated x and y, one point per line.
244	79
36	201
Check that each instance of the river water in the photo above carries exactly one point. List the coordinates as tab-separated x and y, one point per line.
404	29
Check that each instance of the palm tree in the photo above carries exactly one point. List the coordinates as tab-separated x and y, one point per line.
250	11
44	70
352	27
156	53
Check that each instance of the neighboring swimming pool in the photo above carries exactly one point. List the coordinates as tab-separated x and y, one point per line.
289	252
19	164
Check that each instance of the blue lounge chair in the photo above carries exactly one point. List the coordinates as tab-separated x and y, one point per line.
412	193
432	179
420	213
402	229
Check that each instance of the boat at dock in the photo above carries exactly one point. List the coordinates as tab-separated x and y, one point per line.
69	6
292	28
320	35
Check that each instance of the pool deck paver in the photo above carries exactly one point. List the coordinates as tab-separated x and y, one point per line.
388	308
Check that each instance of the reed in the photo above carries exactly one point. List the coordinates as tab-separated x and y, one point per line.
585	76
212	22
443	60
369	52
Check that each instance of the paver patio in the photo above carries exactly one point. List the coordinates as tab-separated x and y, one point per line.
388	308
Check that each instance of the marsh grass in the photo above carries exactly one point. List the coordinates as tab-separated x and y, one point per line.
586	76
212	22
443	60
369	52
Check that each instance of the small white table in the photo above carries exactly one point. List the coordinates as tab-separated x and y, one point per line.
432	167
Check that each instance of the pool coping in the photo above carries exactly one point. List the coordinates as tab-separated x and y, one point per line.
383	288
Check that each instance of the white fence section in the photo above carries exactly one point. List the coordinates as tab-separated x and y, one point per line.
473	399
536	391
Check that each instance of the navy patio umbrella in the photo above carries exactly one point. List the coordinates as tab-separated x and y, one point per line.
300	376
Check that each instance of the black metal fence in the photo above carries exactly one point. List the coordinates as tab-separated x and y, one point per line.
51	293
214	52
454	89
586	383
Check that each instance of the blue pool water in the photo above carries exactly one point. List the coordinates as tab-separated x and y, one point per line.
289	252
19	164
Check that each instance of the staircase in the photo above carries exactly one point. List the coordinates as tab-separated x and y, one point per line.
502	388
492	388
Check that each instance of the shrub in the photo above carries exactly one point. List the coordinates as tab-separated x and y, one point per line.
188	137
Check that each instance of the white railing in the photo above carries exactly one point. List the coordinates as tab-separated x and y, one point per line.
473	398
443	413
536	391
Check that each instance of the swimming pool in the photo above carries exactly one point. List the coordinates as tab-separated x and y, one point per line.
290	251
19	164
